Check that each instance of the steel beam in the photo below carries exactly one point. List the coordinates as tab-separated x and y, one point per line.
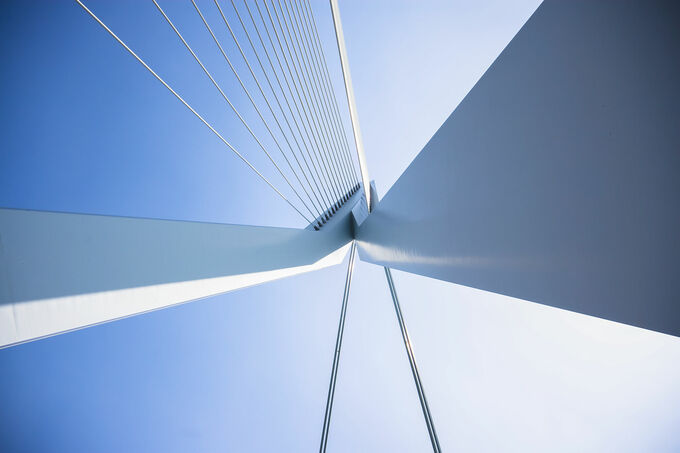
60	272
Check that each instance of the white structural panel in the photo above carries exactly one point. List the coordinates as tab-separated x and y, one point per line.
557	179
60	272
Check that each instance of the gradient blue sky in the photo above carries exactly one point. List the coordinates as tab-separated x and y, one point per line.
85	129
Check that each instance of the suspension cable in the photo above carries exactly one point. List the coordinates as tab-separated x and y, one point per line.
322	108
336	355
312	21
164	83
326	94
318	180
296	76
414	367
271	110
295	97
205	70
306	91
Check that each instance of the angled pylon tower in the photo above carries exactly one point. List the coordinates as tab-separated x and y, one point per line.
557	179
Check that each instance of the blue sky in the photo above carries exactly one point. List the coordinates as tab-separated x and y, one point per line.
86	129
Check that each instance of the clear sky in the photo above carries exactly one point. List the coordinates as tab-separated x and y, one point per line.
86	129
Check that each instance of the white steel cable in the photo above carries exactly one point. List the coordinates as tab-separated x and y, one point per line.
429	422
313	89
338	128
295	76
312	21
205	70
322	108
271	110
306	91
235	72
326	73
294	96
336	355
284	92
240	156
276	96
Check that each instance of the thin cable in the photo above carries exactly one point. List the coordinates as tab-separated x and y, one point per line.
297	77
296	97
305	90
336	355
189	107
276	97
319	49
283	92
324	93
414	368
205	70
258	113
312	87
305	122
322	107
312	21
328	85
306	28
271	110
252	101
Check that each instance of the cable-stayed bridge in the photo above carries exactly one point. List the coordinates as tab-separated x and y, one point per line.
555	181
